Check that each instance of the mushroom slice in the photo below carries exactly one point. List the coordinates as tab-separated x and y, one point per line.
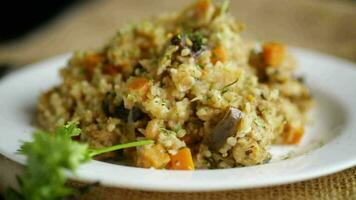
225	128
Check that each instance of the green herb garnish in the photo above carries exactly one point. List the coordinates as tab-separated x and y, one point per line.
94	152
49	157
259	122
198	41
167	132
225	88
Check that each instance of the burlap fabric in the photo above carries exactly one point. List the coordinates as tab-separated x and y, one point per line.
324	25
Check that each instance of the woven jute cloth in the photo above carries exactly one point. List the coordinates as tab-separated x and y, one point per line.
328	26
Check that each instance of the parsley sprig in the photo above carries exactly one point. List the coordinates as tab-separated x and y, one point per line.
49	157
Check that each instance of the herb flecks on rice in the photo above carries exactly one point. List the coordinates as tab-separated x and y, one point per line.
172	79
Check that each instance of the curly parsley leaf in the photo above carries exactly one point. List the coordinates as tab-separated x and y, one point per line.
49	157
69	130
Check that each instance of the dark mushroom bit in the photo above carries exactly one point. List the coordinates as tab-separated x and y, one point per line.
225	128
112	110
119	111
137	114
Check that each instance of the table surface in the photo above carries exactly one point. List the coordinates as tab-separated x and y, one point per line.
327	26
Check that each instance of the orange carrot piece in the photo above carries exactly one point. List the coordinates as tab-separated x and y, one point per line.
273	54
292	135
202	5
111	69
201	8
182	160
90	63
94	59
219	54
139	84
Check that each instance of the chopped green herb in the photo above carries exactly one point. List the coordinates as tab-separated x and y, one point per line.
178	127
225	88
164	102
200	66
321	143
167	56
259	122
198	41
167	132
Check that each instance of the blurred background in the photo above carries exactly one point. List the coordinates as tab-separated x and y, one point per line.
58	26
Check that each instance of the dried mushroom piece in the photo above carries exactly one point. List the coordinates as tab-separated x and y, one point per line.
225	128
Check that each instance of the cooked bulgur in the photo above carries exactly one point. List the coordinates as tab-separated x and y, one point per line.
188	81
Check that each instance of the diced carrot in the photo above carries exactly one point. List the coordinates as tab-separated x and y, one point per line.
94	59
273	54
182	160
138	83
126	69
219	54
201	7
90	62
152	127
292	135
141	85
111	69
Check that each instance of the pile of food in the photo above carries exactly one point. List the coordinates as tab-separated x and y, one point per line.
188	81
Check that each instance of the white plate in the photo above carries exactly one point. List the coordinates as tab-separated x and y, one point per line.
329	145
